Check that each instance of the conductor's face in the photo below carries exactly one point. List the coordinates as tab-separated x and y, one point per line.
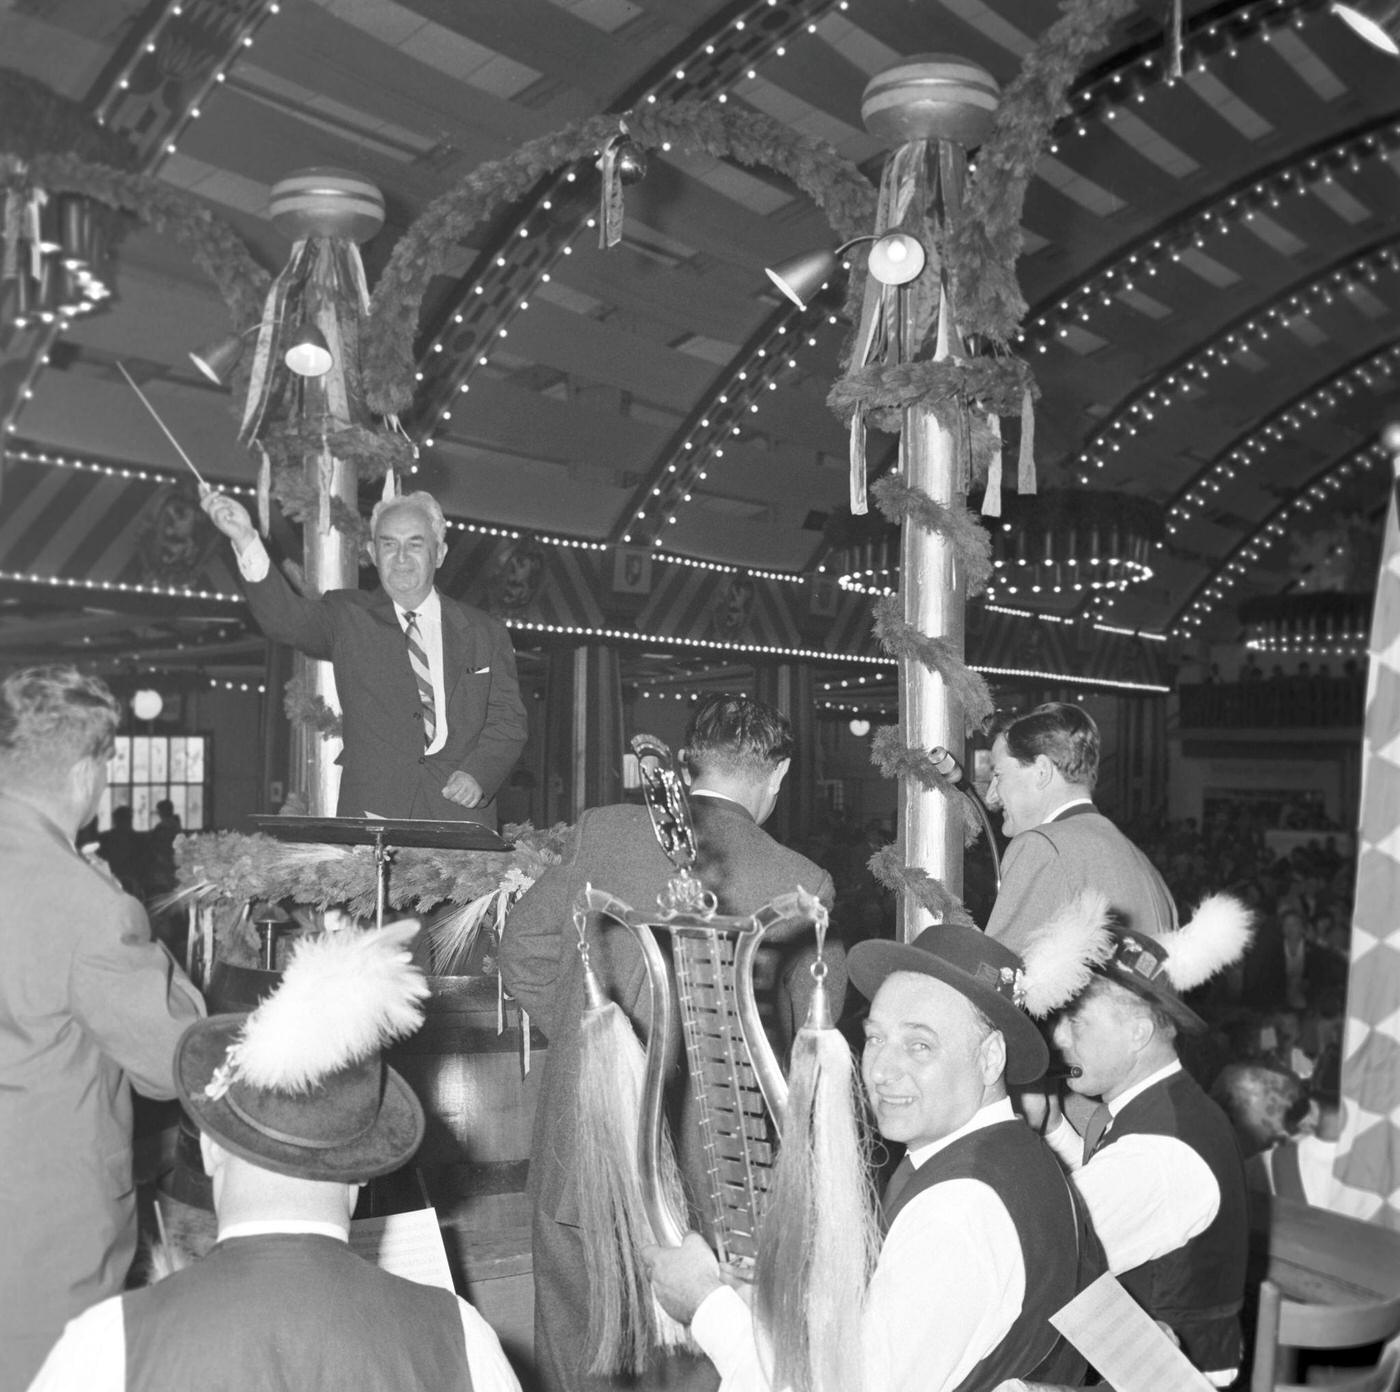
407	555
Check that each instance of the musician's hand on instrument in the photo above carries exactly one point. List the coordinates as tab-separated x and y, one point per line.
683	1276
229	516
462	788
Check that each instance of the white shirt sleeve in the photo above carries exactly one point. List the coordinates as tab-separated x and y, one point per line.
486	1360
948	1286
90	1355
1147	1196
253	560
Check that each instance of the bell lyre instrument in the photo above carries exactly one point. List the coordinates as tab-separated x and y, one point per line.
703	1002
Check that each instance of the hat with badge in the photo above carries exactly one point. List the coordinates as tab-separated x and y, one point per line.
1011	991
1162	967
300	1086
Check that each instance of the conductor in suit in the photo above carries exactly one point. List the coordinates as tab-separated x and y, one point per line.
736	755
433	721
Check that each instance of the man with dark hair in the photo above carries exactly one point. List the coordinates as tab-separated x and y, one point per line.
427	686
1044	767
1158	1164
90	1007
736	754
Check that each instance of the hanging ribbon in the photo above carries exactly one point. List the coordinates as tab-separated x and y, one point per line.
322	285
877	337
1174	44
610	208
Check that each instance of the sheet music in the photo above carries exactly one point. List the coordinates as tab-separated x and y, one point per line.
406	1244
1124	1343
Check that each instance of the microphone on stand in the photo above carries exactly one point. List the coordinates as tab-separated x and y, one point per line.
946	764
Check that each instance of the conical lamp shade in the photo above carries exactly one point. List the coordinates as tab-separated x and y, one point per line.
1377	21
216	360
800	277
308	354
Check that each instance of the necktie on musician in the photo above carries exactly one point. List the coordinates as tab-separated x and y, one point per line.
903	1173
422	674
1093	1132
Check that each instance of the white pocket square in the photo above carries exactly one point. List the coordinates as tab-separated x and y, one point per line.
481	671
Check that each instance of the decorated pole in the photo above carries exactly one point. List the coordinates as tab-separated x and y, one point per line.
930	110
314	311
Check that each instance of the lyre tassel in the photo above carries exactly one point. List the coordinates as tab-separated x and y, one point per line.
624	1321
818	1241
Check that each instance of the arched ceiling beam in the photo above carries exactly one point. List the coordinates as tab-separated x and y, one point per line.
1202	601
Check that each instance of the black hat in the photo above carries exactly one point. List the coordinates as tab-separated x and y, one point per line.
299	1086
980	968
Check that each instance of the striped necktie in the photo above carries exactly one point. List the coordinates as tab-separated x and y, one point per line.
423	675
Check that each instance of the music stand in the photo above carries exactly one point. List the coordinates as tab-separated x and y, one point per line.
384	834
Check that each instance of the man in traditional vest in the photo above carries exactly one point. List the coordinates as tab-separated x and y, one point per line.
296	1109
984	1238
1158	1164
1044	767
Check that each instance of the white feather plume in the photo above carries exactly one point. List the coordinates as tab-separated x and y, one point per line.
1218	933
1062	953
343	997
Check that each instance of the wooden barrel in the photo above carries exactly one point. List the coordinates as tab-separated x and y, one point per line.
475	1158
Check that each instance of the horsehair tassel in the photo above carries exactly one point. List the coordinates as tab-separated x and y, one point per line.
624	1320
817	1243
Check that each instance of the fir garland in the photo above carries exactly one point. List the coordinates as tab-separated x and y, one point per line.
965	534
895	759
212	243
887	865
843	193
982	247
904	642
995	385
231	866
309	708
370	452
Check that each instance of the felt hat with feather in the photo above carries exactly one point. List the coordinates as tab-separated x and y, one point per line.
1162	967
300	1086
1011	991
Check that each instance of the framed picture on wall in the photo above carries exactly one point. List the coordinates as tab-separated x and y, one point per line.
631	570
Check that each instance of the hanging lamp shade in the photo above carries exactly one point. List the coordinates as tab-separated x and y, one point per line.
217	360
1377	21
308	354
801	277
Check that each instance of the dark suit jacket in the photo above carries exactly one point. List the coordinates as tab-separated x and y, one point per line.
615	850
384	768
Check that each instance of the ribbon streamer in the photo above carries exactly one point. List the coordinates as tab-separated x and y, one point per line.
610	207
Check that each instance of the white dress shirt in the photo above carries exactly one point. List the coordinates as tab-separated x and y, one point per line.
948	1285
1146	1195
254	564
90	1355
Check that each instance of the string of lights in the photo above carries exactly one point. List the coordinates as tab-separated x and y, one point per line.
534	243
1145	259
1253	548
1273	431
1176	385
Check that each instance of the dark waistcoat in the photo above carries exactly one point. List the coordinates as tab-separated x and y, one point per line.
1058	1248
290	1312
1197	1289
